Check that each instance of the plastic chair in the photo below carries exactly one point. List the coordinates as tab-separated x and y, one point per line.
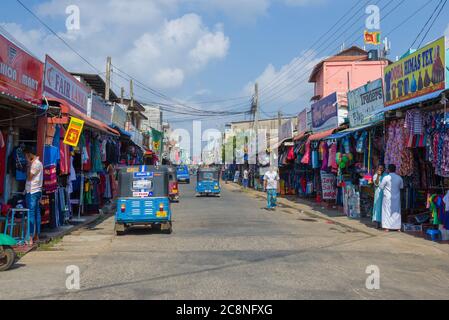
18	217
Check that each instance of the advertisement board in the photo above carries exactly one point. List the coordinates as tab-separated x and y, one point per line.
58	83
325	114
363	104
286	130
20	73
417	75
303	125
329	186
100	110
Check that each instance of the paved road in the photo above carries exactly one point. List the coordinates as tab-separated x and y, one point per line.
230	248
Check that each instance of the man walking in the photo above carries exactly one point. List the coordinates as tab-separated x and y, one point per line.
33	189
271	179
391	186
245	178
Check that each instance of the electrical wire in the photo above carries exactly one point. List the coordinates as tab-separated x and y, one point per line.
425	25
432	24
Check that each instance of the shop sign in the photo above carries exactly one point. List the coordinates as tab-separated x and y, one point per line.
325	114
58	83
364	102
303	121
329	186
20	73
286	130
100	109
417	75
119	116
73	134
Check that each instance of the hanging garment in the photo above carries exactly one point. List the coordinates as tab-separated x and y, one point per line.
332	162
51	154
325	155
3	162
97	165
50	179
50	134
64	155
103	150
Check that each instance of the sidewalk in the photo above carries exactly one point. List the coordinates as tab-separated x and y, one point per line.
317	211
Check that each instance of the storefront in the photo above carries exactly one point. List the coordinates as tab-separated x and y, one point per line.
417	136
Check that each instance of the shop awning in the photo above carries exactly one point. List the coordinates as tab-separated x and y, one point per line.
122	131
411	102
301	136
88	121
321	135
347	132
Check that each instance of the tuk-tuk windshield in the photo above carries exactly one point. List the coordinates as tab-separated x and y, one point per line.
143	184
208	176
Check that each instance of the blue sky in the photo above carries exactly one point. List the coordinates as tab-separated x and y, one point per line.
203	50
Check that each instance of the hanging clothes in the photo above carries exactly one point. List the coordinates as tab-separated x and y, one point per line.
3	161
64	155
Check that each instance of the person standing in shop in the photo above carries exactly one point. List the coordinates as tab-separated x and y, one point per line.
271	181
33	189
378	196
391	185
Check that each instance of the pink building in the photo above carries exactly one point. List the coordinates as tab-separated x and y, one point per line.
348	70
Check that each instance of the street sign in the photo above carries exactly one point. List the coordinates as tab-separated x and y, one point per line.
74	131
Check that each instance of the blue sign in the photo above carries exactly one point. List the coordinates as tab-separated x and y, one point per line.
325	114
143	175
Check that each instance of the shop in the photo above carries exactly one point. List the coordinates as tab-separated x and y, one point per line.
20	105
417	138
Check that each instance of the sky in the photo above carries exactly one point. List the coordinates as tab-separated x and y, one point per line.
199	51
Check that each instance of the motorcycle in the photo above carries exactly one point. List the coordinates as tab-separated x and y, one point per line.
7	253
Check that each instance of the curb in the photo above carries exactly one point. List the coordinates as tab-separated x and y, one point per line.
313	214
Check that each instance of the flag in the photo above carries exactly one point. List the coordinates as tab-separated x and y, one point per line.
372	38
157	138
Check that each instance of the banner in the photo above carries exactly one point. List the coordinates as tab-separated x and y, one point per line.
325	114
329	186
286	130
73	134
303	122
416	75
20	73
364	102
100	110
58	83
119	116
157	141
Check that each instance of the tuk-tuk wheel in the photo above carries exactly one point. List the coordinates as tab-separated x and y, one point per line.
7	258
120	229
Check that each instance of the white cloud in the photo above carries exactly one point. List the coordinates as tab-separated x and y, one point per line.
287	84
139	35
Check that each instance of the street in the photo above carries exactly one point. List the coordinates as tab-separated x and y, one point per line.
230	248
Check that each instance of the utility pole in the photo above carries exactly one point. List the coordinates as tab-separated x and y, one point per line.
122	95
279	120
256	119
131	101
108	78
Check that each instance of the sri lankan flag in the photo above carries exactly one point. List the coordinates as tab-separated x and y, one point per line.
372	37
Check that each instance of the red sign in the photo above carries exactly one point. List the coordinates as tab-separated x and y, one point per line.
20	73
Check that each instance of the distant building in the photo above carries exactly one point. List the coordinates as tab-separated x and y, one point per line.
154	118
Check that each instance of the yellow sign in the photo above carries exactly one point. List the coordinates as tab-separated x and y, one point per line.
156	145
416	75
73	134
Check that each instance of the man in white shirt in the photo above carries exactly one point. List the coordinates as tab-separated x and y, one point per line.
271	180
391	202
245	178
33	189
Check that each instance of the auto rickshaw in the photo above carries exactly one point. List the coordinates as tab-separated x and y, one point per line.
183	174
143	199
173	188
7	254
208	182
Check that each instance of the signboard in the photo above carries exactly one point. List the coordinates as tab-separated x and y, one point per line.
100	110
303	122
325	114
119	116
364	102
73	134
329	186
20	73
286	130
58	83
416	75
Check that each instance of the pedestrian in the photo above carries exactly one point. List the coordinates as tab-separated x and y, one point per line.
33	190
271	180
378	196
391	186
245	178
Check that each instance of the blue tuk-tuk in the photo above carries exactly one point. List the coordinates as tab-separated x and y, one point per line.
143	199
183	174
208	182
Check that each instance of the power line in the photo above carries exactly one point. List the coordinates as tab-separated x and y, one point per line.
432	24
56	35
425	25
